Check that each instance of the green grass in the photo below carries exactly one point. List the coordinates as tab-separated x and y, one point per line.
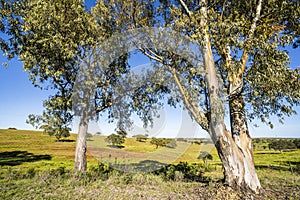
31	163
36	149
137	151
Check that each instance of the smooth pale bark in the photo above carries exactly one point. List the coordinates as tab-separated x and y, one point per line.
235	154
81	148
241	137
247	178
239	131
239	172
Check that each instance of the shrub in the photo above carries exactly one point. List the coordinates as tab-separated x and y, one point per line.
141	137
89	136
102	171
178	176
181	139
115	140
205	156
182	171
30	173
297	143
197	142
12	174
158	142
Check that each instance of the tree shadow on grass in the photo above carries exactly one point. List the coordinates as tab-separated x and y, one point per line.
263	153
290	162
142	166
272	167
116	146
13	158
66	140
187	172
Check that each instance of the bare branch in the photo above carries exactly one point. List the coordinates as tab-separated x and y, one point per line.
154	56
250	37
189	13
189	102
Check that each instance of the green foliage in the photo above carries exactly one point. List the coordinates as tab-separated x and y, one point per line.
115	140
279	144
205	156
98	133
52	39
278	171
248	54
102	171
49	38
199	142
182	172
89	136
158	142
141	137
55	125
182	139
163	142
122	133
297	143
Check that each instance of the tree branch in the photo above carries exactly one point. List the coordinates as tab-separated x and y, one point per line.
250	37
101	108
189	102
189	13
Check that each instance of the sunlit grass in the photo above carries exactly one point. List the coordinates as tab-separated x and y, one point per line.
25	152
62	153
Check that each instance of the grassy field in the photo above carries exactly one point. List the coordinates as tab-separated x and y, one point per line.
35	166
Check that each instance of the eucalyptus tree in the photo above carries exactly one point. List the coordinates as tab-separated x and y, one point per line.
56	40
241	43
245	40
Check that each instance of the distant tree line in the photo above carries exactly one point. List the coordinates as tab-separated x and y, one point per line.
284	144
276	144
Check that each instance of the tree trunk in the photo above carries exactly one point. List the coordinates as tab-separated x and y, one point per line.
80	154
239	170
241	137
235	151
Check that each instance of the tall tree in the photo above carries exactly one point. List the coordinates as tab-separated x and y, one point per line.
51	38
241	35
236	38
55	41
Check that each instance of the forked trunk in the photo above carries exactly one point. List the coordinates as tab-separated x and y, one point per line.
239	170
235	151
80	154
